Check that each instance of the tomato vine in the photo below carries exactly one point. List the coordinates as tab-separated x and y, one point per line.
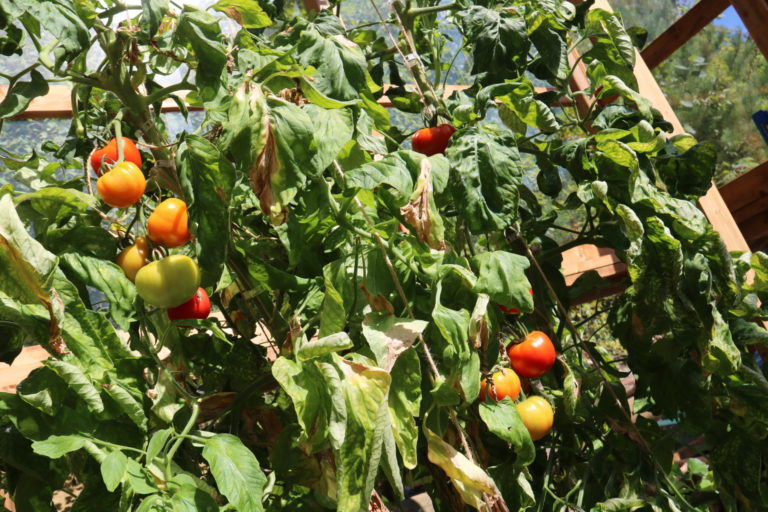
363	276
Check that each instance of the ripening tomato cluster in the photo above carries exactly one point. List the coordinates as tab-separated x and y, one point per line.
172	282
529	359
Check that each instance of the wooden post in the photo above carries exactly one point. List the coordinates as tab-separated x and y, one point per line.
681	31
754	14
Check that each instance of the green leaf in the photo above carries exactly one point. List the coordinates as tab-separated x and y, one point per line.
57	446
109	279
341	71
500	40
689	172
618	35
405	405
365	388
42	390
484	178
394	170
236	470
200	31
130	404
501	275
152	14
79	382
333	129
312	399
721	355
157	443
113	469
25	266
518	97
504	421
138	478
247	13
63	23
324	346
207	179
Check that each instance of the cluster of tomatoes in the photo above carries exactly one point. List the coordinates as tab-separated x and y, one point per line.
530	359
171	282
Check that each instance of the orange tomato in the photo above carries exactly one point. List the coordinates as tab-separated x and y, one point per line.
122	186
168	223
505	383
537	416
132	258
108	155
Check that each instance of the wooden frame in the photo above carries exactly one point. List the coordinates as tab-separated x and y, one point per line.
681	31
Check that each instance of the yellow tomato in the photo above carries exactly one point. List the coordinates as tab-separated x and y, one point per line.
537	416
132	258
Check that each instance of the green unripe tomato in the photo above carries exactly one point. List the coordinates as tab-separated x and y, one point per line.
168	282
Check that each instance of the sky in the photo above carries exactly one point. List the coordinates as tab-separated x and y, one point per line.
729	19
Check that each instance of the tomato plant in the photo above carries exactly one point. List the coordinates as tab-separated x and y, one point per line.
506	383
356	279
532	357
105	157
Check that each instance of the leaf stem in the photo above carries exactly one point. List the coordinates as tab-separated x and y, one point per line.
180	438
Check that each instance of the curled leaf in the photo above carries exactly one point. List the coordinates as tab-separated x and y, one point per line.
421	213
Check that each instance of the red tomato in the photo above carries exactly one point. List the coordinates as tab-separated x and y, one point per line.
505	383
431	141
537	416
534	356
513	311
198	307
101	158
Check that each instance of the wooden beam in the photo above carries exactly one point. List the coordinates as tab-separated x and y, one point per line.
681	31
754	14
583	258
742	193
57	103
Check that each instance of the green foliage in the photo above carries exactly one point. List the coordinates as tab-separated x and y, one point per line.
715	82
357	284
